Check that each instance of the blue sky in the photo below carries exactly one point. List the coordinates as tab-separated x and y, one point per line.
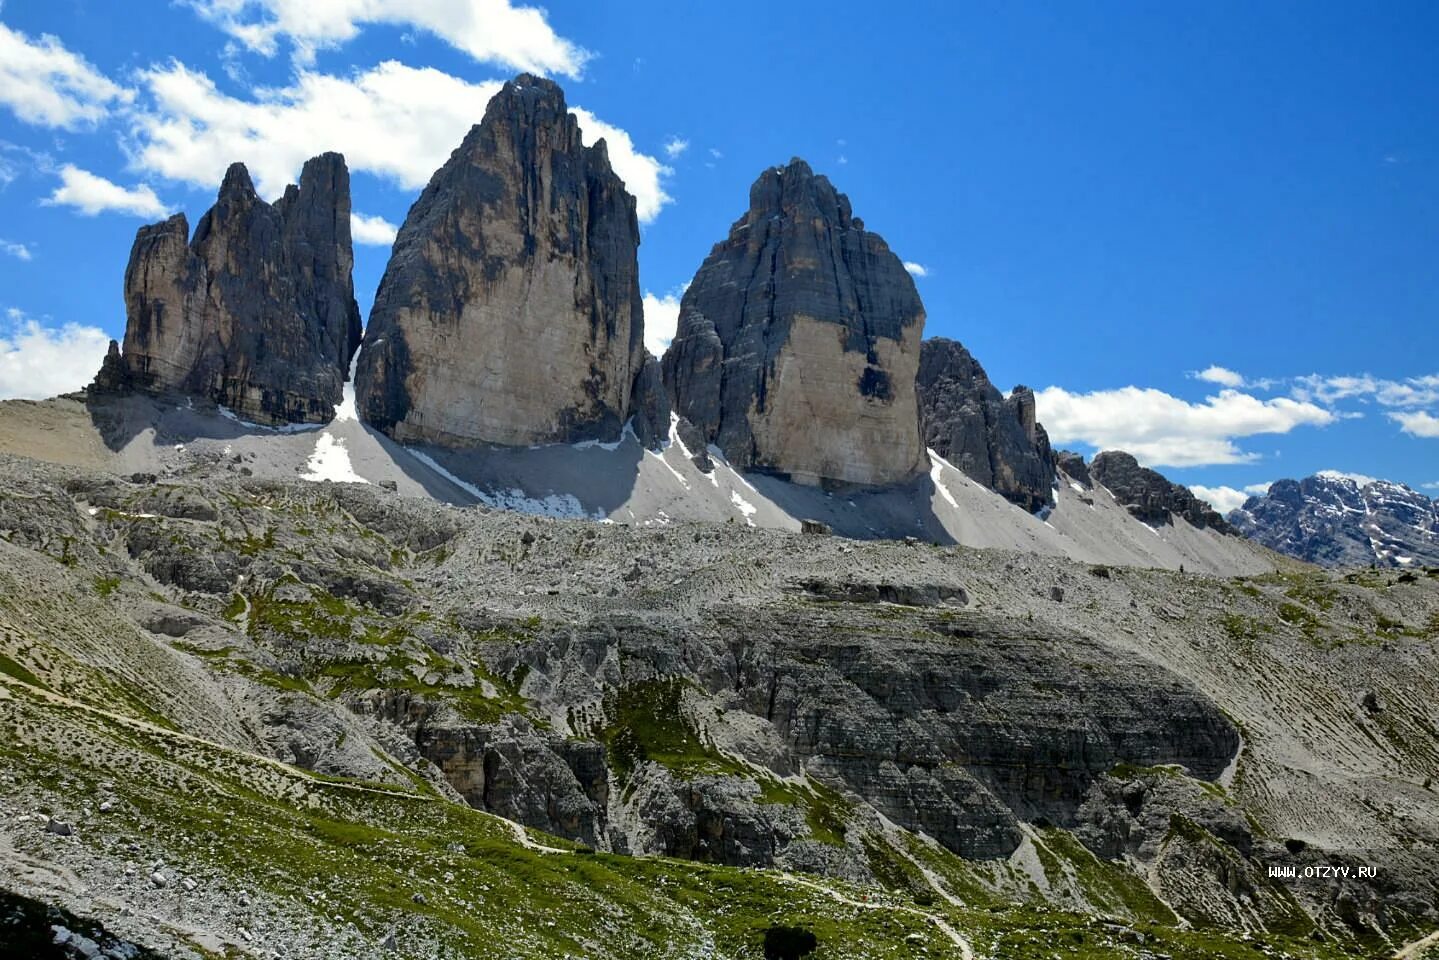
1107	200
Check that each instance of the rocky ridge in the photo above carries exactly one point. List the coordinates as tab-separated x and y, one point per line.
798	341
995	440
510	310
256	312
1148	494
1338	521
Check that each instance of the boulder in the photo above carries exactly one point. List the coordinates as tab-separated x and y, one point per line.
256	312
510	310
798	341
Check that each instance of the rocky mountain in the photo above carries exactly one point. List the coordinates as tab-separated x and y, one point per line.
256	312
1148	495
1338	521
799	339
994	440
283	717
510	310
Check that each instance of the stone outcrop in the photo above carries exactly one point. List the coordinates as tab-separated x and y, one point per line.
1148	495
510	311
1338	521
996	441
798	341
255	312
1072	465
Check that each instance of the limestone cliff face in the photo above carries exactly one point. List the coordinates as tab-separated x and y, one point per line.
798	341
257	311
510	311
995	440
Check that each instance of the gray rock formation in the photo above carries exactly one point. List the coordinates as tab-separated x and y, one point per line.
255	312
798	341
510	311
1148	495
1337	522
995	440
1072	465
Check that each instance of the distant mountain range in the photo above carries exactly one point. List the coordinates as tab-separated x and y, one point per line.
1339	521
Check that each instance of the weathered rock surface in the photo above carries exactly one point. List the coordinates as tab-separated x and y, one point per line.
1149	495
798	341
995	440
1338	522
748	697
257	311
510	311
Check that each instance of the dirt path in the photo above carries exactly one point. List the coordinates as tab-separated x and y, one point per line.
1417	949
966	950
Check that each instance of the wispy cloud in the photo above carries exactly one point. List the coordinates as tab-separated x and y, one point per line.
17	250
1421	391
489	31
92	194
916	269
47	85
676	146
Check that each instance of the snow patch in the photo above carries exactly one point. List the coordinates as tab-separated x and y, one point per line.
561	505
229	414
745	508
936	472
331	461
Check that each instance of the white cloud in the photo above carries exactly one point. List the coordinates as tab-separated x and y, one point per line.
47	85
91	194
1221	376
17	250
1430	486
662	317
916	269
1417	423
490	31
675	146
1258	489
1163	430
375	231
395	121
716	153
1410	392
642	174
1362	479
1223	499
39	361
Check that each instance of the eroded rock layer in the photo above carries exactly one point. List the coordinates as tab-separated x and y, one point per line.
995	440
255	312
510	311
798	341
